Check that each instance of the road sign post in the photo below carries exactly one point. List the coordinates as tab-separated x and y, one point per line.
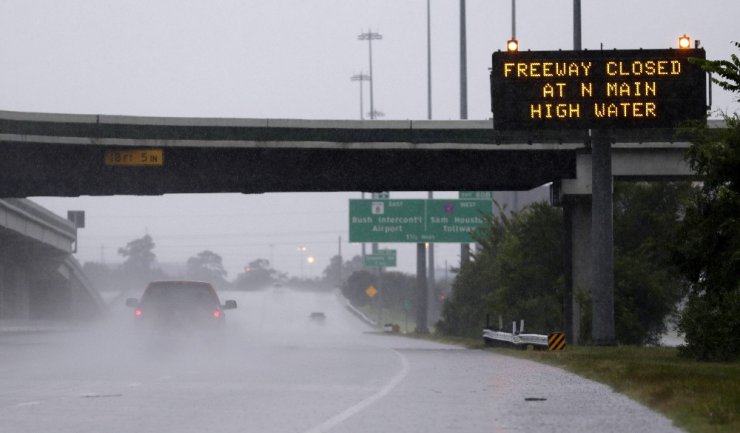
600	91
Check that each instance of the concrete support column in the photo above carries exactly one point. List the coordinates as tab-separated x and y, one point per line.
602	241
421	290
580	250
568	273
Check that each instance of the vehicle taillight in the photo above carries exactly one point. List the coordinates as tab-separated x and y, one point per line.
217	314
137	312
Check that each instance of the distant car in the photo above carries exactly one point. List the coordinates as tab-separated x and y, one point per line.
181	306
318	316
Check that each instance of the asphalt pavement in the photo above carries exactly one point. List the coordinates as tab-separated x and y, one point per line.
277	370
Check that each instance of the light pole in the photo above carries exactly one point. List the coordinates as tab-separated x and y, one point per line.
310	260
369	37
302	250
429	61
464	248
360	78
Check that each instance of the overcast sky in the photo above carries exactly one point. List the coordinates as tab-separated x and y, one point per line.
288	59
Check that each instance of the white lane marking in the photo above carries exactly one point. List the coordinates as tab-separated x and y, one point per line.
353	410
28	403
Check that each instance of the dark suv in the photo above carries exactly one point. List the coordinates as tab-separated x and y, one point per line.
179	306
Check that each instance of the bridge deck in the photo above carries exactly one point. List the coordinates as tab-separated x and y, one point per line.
63	154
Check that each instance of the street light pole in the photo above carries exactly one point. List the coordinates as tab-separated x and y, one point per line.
360	78
464	248
302	249
429	62
369	37
463	64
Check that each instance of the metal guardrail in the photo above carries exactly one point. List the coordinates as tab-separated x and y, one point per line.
354	310
553	341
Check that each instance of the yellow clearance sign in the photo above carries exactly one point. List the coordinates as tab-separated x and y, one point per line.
596	89
135	157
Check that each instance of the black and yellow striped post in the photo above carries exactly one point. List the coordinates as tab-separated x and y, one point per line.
556	341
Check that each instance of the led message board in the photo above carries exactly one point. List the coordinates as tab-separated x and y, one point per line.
596	89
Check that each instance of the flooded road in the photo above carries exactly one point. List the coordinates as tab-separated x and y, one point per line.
277	369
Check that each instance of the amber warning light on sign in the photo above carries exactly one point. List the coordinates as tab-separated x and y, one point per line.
596	89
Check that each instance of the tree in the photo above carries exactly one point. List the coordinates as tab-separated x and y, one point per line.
257	275
333	272
648	285
518	272
709	255
463	312
207	266
139	255
528	269
354	288
138	266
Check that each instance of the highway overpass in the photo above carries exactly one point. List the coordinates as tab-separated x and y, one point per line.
70	155
40	281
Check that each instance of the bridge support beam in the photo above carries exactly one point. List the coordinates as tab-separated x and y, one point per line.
577	220
602	241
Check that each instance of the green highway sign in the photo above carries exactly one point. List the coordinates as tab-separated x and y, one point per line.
415	220
476	195
381	259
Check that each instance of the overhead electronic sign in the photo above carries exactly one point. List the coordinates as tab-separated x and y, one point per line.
596	89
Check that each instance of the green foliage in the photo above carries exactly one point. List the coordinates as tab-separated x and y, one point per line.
709	254
257	275
518	272
528	270
138	267
729	70
354	288
337	270
697	396
710	322
139	255
648	285
207	266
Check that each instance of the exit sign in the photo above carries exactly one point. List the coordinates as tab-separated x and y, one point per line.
596	89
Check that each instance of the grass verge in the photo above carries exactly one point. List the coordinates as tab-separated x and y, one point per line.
700	397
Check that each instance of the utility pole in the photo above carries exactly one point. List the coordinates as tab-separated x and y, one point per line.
360	78
369	36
